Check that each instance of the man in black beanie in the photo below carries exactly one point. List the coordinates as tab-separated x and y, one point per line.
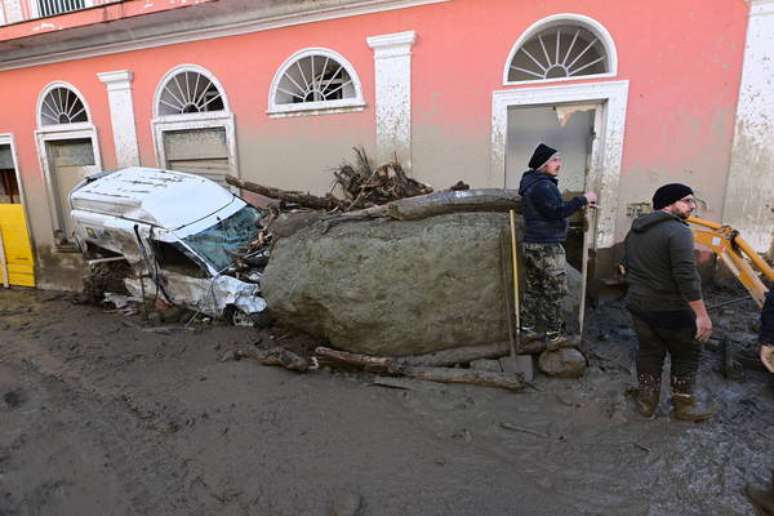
665	302
545	219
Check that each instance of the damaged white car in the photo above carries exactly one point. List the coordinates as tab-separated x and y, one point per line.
170	235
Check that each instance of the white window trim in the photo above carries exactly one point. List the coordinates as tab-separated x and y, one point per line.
187	121
606	172
188	68
193	122
58	133
321	107
588	23
39	107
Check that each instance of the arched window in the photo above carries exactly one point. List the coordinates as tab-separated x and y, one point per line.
194	129
315	79
61	105
189	91
559	48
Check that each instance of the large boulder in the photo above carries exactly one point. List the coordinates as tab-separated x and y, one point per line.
393	287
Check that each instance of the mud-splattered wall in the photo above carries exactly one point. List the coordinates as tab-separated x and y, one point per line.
749	205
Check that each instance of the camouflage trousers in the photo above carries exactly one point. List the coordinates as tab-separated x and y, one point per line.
545	282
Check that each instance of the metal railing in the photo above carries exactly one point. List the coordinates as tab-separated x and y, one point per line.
54	7
15	11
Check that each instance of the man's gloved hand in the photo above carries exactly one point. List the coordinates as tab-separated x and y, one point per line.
767	356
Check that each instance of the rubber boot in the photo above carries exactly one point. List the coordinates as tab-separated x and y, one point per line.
688	407
648	393
762	499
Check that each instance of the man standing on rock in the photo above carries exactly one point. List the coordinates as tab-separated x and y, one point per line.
545	218
665	302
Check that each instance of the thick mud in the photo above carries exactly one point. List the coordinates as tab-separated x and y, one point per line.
100	416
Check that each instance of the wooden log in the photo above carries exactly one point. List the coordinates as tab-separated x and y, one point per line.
305	199
275	356
371	363
395	367
439	203
447	357
452	356
465	376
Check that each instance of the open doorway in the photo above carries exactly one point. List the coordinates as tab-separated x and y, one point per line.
17	265
69	162
568	127
9	187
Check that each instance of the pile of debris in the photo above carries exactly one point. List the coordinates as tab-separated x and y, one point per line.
473	365
362	186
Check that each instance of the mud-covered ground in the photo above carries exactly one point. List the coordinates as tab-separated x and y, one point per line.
99	416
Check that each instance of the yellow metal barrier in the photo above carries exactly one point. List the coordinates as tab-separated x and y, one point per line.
16	244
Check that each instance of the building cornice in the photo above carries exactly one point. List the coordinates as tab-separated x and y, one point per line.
200	28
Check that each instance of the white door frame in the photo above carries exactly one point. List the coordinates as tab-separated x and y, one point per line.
607	151
77	131
194	121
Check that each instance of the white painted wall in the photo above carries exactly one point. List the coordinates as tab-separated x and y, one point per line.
749	205
13	11
392	63
119	89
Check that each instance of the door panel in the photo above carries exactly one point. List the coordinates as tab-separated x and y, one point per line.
16	245
198	151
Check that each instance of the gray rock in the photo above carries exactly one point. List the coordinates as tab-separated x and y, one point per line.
391	288
562	363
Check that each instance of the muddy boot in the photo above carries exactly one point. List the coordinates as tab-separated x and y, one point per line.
647	396
762	499
688	407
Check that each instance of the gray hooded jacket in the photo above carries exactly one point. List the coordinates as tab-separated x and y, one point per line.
660	264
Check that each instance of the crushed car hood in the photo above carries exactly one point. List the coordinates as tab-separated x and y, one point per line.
152	196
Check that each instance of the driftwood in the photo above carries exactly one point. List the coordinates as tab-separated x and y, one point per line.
275	356
305	199
363	186
439	203
370	363
465	354
396	367
466	376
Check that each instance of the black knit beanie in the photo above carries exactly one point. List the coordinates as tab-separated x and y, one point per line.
670	193
541	155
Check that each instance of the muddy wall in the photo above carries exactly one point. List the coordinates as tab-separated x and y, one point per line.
682	62
749	204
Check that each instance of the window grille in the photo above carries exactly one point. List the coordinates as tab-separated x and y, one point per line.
62	106
189	92
559	52
314	78
54	7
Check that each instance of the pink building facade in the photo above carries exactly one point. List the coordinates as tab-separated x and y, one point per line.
635	95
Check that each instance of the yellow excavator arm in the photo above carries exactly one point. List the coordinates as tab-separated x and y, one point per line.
736	254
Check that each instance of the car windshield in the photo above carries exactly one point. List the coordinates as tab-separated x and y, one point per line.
219	244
